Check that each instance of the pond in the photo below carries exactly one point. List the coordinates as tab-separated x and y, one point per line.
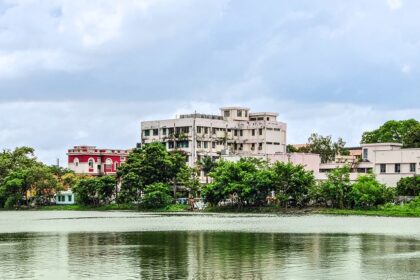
130	245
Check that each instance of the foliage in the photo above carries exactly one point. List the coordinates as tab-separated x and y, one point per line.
409	186
24	180
95	190
188	177
148	165
325	147
406	132
156	196
249	182
291	149
366	192
337	187
292	182
207	164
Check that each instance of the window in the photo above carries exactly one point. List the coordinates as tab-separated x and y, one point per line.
206	144
115	166
253	132
260	131
198	144
260	146
383	168
246	113
76	161
226	114
239	113
170	145
397	168
236	133
108	164
268	118
213	145
241	133
147	132
69	198
155	132
164	131
252	146
198	129
206	130
365	153
91	163
182	144
412	167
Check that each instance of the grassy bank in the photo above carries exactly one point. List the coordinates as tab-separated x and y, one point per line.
112	207
407	210
385	211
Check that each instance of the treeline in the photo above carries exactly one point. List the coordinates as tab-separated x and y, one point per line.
250	183
24	181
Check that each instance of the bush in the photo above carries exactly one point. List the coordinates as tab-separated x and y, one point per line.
367	192
157	195
409	186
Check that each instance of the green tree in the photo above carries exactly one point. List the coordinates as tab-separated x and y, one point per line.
291	149
156	195
292	182
146	166
406	132
206	165
106	188
86	191
337	187
409	186
325	147
367	192
188	177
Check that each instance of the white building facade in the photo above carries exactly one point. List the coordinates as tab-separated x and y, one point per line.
388	161
235	131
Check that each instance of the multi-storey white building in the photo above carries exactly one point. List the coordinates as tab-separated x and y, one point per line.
388	161
236	131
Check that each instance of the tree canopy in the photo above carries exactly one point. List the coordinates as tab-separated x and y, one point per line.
406	132
324	146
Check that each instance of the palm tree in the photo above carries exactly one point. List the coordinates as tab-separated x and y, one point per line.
206	164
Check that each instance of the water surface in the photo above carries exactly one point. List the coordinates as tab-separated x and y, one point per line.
128	245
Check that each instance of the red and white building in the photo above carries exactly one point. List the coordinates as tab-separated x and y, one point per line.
91	160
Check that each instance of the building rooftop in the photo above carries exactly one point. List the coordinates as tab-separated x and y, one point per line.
201	116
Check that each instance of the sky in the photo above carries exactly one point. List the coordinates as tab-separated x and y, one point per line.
76	72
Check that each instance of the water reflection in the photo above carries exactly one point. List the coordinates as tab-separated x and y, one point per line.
207	255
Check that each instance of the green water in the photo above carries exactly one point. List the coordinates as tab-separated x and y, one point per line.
118	245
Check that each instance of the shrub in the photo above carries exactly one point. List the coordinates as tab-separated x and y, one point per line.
156	196
367	192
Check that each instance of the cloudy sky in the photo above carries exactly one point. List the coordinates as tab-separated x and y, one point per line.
87	72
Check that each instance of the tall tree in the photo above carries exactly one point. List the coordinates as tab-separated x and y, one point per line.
292	182
406	132
206	165
149	165
325	147
337	187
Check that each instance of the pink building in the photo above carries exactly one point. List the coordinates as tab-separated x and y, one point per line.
93	161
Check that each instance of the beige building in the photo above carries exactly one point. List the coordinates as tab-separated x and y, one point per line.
388	161
235	131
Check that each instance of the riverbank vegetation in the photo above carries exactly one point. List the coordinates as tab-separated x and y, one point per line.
153	179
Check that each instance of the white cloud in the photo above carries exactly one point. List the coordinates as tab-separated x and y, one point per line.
394	4
406	68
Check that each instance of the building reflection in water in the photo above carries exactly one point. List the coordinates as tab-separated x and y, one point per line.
206	255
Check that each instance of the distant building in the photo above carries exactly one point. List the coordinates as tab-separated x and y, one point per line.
65	198
388	161
235	131
94	161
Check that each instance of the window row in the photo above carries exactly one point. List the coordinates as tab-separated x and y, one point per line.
397	167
